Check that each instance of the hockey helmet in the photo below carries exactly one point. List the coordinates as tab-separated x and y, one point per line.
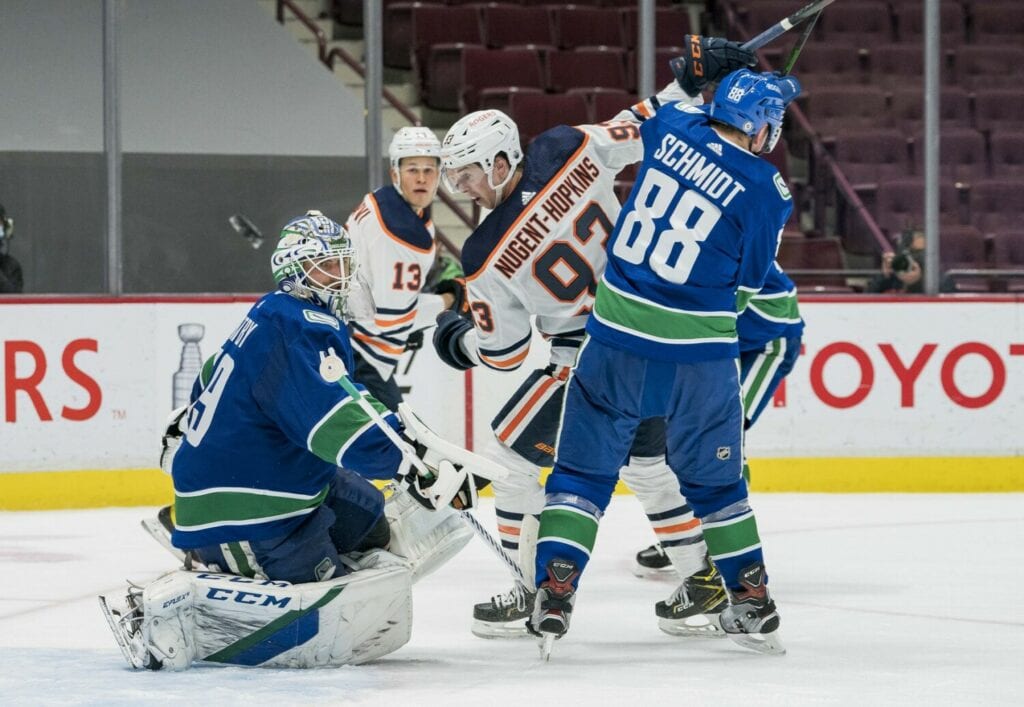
478	138
412	142
748	101
315	260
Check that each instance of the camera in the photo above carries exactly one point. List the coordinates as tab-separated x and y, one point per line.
901	262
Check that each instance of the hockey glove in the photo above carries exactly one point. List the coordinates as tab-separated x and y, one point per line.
415	341
173	434
450	330
789	86
435	482
708	60
456	287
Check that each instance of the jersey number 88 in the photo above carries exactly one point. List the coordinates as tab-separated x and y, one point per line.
677	247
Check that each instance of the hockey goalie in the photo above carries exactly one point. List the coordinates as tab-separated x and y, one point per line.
294	558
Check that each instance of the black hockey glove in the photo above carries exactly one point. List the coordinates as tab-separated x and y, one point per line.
415	341
456	287
450	329
707	60
173	434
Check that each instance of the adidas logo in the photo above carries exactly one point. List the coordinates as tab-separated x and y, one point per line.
715	147
527	195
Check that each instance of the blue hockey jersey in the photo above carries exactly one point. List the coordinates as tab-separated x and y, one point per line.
693	243
266	431
771	314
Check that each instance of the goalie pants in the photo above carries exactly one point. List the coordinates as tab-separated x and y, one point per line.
609	393
351	518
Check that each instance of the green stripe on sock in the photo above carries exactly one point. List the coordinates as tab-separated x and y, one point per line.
557	524
754	386
225	654
731	537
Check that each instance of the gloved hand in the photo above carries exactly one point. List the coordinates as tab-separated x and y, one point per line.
435	482
415	341
449	332
173	434
789	85
456	287
708	60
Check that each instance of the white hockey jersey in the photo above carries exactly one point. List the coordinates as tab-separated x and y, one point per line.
395	248
541	251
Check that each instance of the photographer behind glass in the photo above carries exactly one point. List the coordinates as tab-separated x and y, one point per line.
903	271
11	280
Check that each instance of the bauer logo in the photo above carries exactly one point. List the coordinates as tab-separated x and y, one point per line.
780	184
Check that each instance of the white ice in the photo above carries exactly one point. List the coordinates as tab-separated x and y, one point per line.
885	599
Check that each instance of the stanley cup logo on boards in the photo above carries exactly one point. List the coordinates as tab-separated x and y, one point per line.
191	362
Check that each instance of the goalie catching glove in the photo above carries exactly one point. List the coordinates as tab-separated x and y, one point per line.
708	60
173	434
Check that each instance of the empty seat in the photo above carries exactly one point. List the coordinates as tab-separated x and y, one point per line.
491	68
592	66
759	15
999	109
1008	254
500	98
671	25
910	22
605	104
865	24
899	204
508	25
441	86
995	204
983	67
397	43
578	26
822	65
998	21
813	254
961	247
869	157
961	154
836	109
906	109
896	65
433	25
536	112
1008	154
662	70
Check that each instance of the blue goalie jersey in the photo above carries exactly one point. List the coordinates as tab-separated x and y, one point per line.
693	243
265	431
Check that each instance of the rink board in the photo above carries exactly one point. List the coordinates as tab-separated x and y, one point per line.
890	394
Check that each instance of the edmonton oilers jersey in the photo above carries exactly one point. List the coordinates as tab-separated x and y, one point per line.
266	430
771	314
692	244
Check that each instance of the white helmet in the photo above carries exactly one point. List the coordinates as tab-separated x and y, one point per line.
478	138
307	245
412	142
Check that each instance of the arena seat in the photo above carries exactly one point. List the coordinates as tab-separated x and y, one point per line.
671	25
961	156
536	112
508	25
962	246
823	65
587	66
606	103
397	37
910	22
803	253
896	65
996	22
839	108
1008	154
906	109
999	109
1008	254
869	157
989	66
995	204
899	204
866	23
432	25
442	86
491	68
577	26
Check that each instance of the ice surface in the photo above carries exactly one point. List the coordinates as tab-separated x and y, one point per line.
885	599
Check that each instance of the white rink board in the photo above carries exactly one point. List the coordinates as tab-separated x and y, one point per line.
102	371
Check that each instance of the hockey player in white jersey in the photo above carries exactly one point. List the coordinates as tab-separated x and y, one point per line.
394	237
540	252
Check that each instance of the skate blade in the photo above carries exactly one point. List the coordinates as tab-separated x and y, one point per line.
697	626
546	644
156	531
767	643
642	572
507	630
120	634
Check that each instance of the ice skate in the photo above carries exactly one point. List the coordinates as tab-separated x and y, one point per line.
504	616
160	529
751	620
553	607
652	562
693	608
125	623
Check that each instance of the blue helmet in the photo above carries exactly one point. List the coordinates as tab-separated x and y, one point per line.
748	101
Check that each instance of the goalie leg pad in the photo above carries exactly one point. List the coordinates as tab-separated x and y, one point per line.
426	539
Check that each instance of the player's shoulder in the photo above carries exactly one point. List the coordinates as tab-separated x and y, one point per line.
776	280
292	316
400	221
549	152
486	237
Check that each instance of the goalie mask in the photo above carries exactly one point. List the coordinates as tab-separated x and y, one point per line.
412	142
748	101
315	260
479	138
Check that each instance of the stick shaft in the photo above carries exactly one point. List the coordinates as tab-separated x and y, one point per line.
784	25
800	42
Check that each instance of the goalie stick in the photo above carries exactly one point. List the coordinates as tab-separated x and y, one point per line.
786	24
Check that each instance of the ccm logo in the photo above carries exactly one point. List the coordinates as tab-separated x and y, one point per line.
241	597
25	367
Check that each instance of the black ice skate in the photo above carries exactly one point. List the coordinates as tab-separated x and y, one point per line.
751	619
553	606
693	607
652	562
504	616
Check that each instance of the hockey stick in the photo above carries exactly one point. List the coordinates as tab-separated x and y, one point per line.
800	42
334	371
786	24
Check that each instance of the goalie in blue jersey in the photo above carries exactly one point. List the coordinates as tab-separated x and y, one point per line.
694	242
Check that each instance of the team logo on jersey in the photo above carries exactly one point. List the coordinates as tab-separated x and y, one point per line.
527	195
780	184
715	147
314	317
724	453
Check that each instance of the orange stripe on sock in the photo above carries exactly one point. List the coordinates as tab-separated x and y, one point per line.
689	525
508	529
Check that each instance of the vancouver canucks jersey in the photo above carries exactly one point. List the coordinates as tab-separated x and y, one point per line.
694	241
266	431
395	247
771	314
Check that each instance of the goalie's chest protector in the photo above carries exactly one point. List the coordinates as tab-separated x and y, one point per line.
542	248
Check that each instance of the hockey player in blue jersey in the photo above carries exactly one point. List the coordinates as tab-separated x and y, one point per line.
693	243
770	333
